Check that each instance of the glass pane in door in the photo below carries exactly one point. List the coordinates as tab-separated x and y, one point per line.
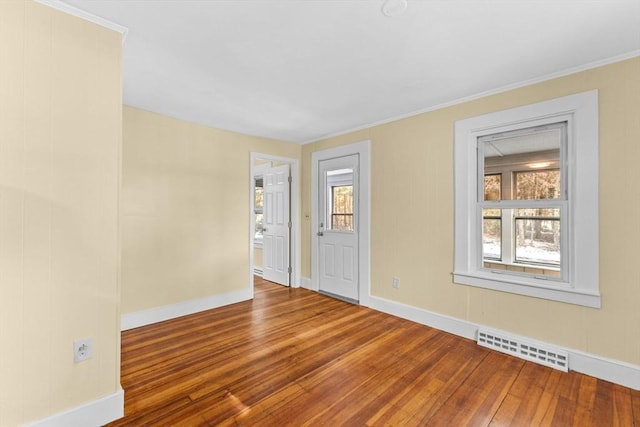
339	200
342	208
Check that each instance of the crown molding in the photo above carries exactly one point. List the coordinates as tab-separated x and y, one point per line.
72	10
524	83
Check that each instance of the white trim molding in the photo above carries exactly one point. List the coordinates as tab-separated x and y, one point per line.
79	13
159	314
452	325
305	282
96	413
615	371
556	75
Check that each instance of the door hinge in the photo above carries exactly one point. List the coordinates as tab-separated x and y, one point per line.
289	224
290	179
289	270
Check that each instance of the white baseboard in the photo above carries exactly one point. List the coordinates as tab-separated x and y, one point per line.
615	371
93	414
452	325
305	283
257	271
159	314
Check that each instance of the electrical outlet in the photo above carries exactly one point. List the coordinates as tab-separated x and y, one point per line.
82	349
395	283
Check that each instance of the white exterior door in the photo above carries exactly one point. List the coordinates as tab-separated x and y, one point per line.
338	227
276	231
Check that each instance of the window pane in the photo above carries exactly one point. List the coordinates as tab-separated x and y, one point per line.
492	239
535	185
342	222
258	231
342	208
259	200
528	159
538	240
492	183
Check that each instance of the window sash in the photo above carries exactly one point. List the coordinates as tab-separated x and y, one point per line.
508	229
507	167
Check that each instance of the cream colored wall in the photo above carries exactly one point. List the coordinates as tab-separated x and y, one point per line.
412	168
60	137
185	209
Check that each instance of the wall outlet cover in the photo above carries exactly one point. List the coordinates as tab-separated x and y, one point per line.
82	349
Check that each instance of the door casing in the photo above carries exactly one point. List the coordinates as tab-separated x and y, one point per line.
362	148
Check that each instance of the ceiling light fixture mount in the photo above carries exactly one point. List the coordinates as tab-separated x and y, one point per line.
539	165
393	8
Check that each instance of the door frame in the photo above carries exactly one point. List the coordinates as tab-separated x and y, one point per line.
363	149
294	248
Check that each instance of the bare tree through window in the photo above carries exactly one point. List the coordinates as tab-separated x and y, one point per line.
342	208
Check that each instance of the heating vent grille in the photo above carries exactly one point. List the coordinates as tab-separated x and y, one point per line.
534	352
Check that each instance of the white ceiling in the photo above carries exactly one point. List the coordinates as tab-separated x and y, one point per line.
299	70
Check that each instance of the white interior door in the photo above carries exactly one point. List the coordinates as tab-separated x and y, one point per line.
338	191
276	225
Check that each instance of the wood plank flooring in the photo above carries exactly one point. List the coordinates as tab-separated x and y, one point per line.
292	357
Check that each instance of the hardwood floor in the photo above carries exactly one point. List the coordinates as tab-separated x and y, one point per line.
292	357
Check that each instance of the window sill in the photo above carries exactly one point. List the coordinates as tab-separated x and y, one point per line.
517	265
529	287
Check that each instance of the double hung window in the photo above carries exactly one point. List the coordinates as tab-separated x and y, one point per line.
526	194
523	199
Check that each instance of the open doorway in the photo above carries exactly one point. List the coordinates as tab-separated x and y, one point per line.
274	225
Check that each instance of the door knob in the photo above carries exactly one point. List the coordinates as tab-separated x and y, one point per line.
320	233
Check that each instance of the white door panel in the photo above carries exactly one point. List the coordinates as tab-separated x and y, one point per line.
329	257
348	263
275	266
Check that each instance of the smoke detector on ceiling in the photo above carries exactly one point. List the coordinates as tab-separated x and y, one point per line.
394	7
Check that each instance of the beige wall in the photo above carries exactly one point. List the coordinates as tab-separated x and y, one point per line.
185	209
412	168
60	135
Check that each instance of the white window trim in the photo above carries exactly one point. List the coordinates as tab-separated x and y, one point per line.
582	280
